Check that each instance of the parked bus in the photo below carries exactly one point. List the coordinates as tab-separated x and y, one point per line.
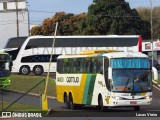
34	54
4	70
104	79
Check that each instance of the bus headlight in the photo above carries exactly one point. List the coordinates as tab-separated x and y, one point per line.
117	98
148	97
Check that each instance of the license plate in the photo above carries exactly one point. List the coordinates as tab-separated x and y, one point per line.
133	102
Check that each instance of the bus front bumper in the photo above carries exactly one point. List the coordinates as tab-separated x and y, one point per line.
133	102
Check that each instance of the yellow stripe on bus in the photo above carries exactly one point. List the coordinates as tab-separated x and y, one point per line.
81	88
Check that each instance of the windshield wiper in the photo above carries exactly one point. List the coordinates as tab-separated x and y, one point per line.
127	82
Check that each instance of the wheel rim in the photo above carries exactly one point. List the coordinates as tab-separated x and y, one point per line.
38	70
25	70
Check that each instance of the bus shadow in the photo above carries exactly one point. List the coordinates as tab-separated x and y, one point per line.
89	111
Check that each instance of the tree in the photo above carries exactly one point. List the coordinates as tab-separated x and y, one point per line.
145	14
68	24
47	27
114	17
37	30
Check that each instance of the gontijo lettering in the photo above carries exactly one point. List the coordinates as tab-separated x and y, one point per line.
72	79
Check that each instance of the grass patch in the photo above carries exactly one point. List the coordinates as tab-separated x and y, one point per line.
19	107
26	82
158	78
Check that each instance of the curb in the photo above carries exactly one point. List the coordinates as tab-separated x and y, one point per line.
31	94
156	83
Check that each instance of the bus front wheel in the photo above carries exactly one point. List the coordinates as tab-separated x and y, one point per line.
38	70
24	70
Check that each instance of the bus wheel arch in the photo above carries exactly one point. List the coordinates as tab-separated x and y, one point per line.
100	103
38	70
24	70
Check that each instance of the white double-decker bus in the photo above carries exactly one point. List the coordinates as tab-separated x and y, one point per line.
34	54
105	79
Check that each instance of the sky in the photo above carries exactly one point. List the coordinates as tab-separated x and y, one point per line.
42	9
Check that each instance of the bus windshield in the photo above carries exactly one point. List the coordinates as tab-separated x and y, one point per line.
15	42
131	75
131	80
2	65
4	58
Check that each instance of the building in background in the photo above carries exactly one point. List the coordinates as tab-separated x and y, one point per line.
8	20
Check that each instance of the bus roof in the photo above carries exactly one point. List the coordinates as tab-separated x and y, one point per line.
109	55
96	52
125	55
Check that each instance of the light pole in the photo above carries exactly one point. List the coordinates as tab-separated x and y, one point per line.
17	18
151	30
28	19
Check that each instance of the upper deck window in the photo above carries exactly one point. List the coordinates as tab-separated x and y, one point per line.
39	42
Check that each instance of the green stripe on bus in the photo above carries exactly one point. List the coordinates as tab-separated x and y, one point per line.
86	89
91	87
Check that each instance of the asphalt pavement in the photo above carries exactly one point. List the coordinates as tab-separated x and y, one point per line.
10	96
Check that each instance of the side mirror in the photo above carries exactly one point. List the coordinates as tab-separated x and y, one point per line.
155	73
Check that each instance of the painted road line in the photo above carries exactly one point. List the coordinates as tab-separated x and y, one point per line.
156	87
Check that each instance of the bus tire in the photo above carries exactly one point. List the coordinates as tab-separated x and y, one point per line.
136	108
71	103
100	103
38	70
66	101
24	70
